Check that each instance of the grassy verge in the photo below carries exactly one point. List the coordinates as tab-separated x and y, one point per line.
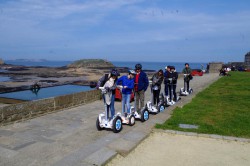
223	108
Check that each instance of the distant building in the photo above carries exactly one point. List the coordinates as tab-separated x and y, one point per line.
1	62
247	60
214	67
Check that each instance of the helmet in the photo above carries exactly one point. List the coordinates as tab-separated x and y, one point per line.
138	66
172	67
167	67
114	72
131	72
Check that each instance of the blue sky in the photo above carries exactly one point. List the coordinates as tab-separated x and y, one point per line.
125	30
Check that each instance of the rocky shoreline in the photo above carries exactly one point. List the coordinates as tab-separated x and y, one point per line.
23	77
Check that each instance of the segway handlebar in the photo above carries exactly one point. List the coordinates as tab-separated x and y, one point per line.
103	90
119	86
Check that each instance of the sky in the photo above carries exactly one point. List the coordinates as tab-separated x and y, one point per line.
125	30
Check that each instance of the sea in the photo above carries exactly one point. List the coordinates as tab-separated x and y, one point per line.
145	65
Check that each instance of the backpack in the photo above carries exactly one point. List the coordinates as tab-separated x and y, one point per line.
103	80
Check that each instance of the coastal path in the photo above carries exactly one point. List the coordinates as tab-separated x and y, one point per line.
70	137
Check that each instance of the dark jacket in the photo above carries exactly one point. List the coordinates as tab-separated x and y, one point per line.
174	76
157	80
166	75
143	81
187	70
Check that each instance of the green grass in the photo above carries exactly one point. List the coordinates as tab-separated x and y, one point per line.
223	108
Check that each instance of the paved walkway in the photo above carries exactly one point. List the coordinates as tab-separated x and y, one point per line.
69	137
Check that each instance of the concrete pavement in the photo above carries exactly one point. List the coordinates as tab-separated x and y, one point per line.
69	137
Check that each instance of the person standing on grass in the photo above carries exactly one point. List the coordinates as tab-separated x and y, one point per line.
141	85
127	82
187	70
156	86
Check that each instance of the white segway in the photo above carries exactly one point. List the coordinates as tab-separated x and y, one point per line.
170	99
189	91
149	105
102	120
127	118
143	115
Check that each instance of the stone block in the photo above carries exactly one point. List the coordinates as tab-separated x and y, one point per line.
100	157
215	136
122	146
63	101
7	153
44	105
79	98
136	137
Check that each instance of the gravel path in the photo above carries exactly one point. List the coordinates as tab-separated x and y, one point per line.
178	150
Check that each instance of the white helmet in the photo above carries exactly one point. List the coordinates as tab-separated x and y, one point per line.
132	72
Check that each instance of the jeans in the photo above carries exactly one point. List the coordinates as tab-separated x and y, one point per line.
126	103
110	107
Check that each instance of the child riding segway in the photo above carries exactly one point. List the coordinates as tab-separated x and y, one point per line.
126	87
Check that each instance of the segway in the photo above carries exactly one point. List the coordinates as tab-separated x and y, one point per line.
127	118
102	120
170	99
149	105
189	91
143	114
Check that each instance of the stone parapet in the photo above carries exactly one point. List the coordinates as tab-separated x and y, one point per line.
27	110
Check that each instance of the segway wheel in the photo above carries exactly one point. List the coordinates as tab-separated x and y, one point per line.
117	124
132	120
161	108
99	128
144	115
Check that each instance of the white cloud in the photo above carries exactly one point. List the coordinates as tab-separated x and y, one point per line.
93	24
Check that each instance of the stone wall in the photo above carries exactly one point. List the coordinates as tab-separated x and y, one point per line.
214	67
30	109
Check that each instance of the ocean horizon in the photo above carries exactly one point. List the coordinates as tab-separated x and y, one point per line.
145	65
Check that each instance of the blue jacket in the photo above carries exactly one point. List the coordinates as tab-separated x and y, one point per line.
126	82
143	81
